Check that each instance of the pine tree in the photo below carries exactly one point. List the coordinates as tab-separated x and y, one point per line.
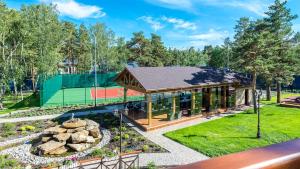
279	23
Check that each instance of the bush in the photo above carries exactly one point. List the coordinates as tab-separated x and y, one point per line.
98	153
151	165
123	128
145	148
7	162
8	127
27	128
116	138
126	136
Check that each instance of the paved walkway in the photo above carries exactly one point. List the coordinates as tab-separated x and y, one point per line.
178	153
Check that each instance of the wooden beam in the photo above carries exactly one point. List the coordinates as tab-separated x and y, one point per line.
193	100
227	97
149	109
223	97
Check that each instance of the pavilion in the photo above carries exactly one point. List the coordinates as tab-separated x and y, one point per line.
176	94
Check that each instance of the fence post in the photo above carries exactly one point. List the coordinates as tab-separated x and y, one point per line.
63	97
85	95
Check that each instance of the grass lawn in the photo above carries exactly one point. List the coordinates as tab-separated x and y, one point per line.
13	104
237	133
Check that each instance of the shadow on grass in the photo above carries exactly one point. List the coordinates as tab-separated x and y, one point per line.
229	137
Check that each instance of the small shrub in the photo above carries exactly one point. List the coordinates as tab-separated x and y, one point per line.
98	153
7	162
123	128
30	128
8	127
141	138
151	165
124	143
145	148
116	138
126	136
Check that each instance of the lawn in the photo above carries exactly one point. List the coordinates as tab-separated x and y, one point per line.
237	133
11	103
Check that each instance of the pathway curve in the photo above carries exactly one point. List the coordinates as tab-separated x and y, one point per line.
178	153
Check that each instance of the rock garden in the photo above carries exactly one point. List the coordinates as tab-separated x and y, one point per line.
58	141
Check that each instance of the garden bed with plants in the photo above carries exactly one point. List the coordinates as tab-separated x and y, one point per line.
9	131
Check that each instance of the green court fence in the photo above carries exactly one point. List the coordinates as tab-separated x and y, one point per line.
79	89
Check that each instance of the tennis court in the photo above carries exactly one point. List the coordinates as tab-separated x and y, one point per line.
80	96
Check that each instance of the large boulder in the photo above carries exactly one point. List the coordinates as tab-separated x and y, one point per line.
59	151
55	130
80	137
95	133
50	146
90	139
90	124
46	139
79	147
62	137
74	123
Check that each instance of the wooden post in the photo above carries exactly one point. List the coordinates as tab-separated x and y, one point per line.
203	98
193	100
173	104
227	97
223	98
208	100
149	109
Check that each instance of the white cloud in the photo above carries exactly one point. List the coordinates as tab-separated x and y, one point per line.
155	25
256	6
76	10
180	23
174	4
212	37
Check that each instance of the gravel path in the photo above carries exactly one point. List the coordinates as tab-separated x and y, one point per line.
22	152
178	154
45	117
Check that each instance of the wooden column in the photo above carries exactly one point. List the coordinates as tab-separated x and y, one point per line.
193	100
223	97
227	97
203	97
173	104
149	109
208	99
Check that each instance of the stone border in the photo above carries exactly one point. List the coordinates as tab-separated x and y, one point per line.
22	153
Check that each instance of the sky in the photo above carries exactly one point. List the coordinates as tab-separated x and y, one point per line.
180	23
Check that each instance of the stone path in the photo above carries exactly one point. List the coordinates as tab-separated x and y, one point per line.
178	154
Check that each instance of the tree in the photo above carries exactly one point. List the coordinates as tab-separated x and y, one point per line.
43	39
70	46
251	50
279	23
158	51
84	50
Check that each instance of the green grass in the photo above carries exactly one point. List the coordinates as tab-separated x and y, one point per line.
11	103
237	133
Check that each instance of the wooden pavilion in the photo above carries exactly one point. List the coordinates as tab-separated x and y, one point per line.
176	94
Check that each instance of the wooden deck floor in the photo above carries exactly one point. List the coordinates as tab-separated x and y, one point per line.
158	121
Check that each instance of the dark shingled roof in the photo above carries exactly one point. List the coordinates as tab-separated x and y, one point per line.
160	78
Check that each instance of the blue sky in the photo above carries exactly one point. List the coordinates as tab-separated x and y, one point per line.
180	23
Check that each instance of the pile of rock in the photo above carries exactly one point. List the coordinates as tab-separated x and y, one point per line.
75	134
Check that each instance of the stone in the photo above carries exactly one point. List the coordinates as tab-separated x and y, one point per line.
90	139
74	123
59	151
46	139
79	137
79	147
95	133
55	130
79	129
62	137
50	146
71	130
90	124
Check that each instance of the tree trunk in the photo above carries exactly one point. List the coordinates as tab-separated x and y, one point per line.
268	89
1	99
254	91
15	88
33	79
278	87
21	92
